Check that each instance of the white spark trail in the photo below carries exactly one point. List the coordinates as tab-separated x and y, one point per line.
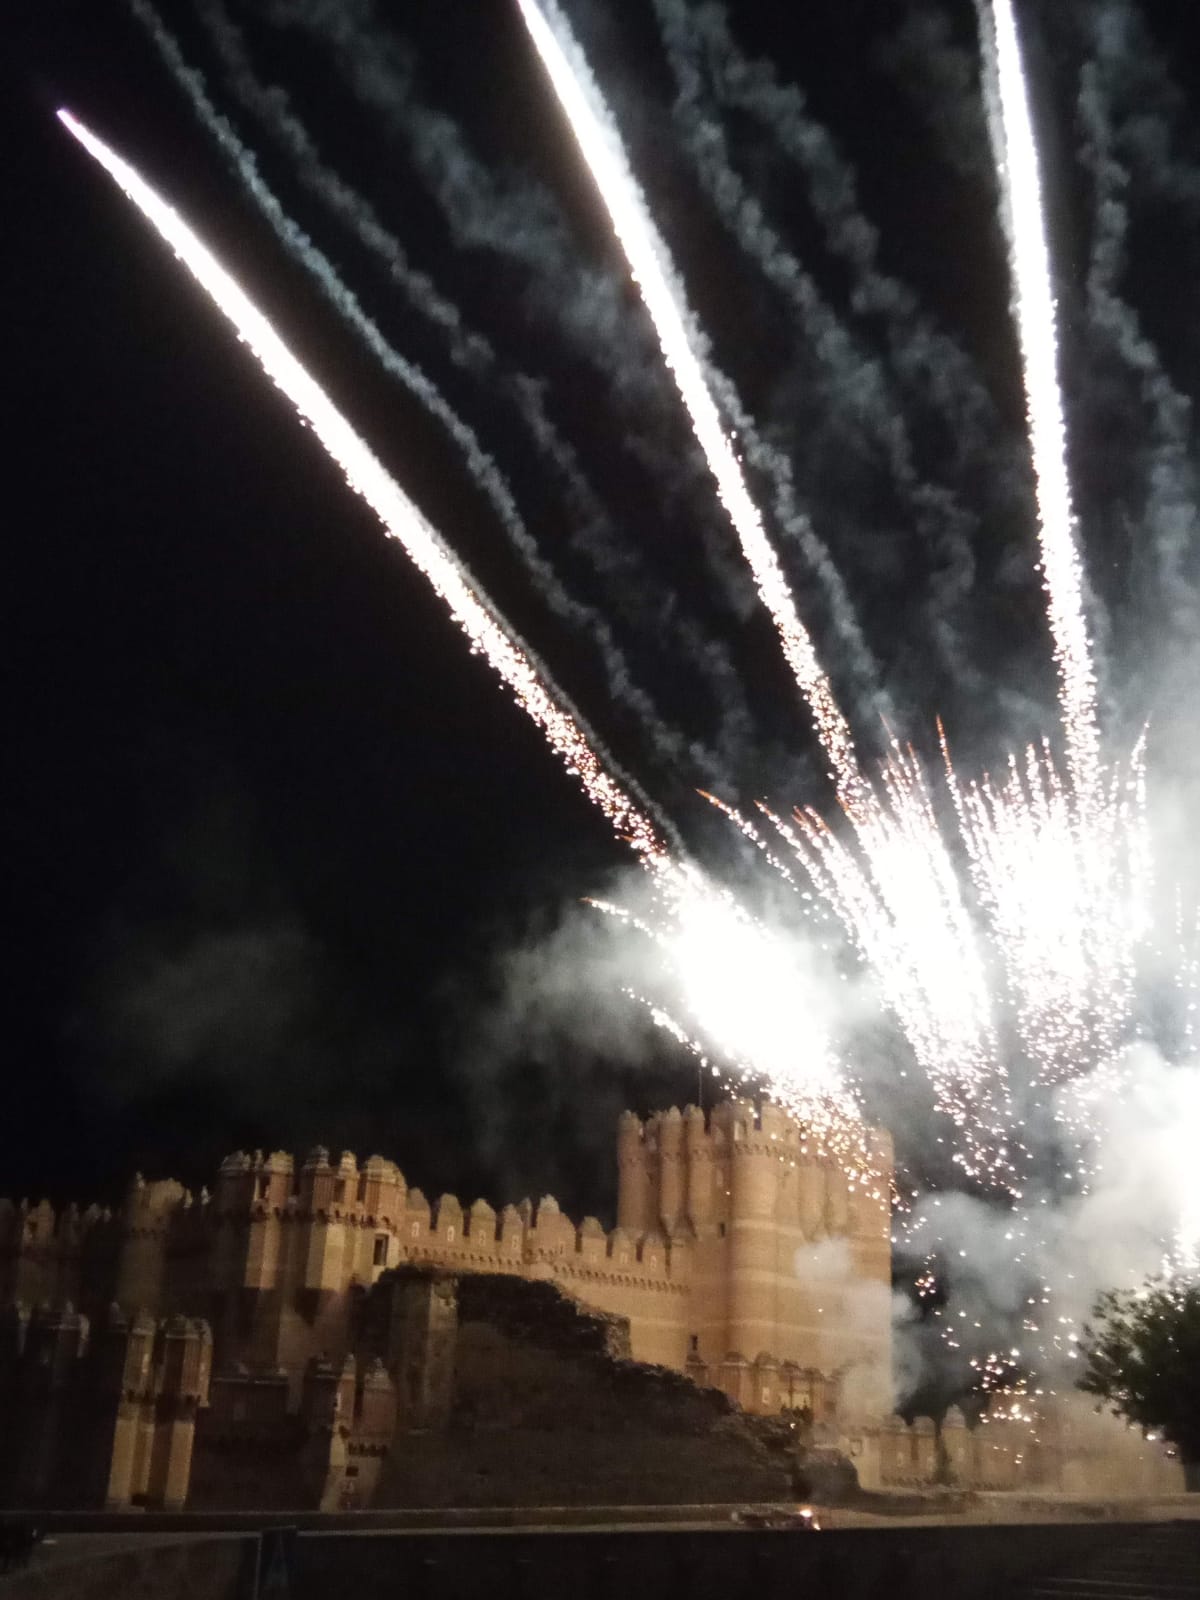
1062	572
657	282
401	519
714	937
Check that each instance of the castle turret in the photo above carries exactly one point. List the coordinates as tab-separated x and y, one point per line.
633	1175
698	1162
671	1175
145	1220
753	1260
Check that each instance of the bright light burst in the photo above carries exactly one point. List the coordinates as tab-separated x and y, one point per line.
1023	920
718	946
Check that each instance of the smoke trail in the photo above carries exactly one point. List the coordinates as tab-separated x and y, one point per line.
931	363
531	686
1062	576
591	535
1172	487
861	382
680	341
703	918
667	743
524	226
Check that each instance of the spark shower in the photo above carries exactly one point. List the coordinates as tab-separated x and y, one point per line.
1005	947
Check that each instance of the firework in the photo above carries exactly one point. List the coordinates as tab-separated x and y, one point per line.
1062	572
681	343
999	919
400	518
716	944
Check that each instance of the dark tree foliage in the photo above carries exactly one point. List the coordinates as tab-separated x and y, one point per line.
1142	1356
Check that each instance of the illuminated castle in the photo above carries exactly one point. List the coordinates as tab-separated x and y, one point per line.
282	1336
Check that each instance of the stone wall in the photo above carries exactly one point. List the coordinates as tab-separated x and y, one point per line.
544	1407
738	1243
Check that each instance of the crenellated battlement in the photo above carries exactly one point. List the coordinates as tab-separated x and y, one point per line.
720	1247
704	1172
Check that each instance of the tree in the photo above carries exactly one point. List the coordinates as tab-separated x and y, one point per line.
1142	1356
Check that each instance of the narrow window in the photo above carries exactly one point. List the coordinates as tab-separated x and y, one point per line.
381	1249
694	1344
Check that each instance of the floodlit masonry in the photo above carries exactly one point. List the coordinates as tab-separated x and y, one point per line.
739	1257
326	1338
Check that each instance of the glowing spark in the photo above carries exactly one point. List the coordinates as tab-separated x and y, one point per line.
1030	261
895	888
650	264
401	519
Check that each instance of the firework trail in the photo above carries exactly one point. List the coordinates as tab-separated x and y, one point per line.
591	535
679	340
667	743
520	222
1062	572
742	961
897	897
401	520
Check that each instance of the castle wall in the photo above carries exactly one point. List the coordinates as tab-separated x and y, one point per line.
781	1253
735	1260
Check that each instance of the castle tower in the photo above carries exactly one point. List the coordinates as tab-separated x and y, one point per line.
145	1220
633	1175
752	1255
698	1166
671	1173
183	1362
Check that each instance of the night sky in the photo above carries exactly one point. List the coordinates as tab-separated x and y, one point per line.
273	833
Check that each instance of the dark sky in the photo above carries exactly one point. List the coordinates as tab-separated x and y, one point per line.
271	829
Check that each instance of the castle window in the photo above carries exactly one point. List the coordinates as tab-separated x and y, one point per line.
720	1230
381	1249
362	1190
263	1185
694	1344
339	1191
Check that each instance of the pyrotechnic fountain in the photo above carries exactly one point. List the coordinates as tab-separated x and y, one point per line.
1012	937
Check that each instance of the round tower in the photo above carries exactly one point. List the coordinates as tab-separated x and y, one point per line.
145	1221
670	1169
633	1175
697	1152
752	1260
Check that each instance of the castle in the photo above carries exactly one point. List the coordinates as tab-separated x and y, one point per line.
280	1336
